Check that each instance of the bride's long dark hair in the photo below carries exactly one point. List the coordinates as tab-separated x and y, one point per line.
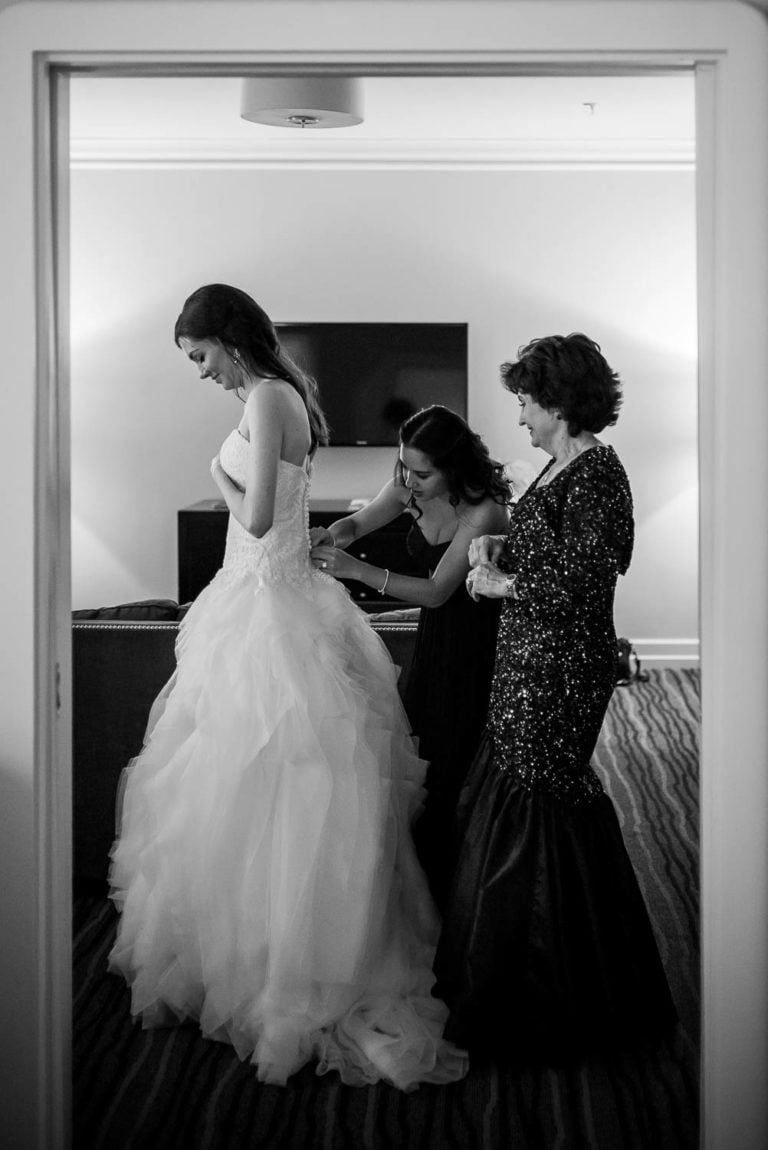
218	311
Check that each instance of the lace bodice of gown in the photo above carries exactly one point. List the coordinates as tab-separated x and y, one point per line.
282	555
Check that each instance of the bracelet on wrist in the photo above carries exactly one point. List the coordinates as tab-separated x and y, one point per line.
383	587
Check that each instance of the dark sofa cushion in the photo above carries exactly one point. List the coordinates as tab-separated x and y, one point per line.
162	610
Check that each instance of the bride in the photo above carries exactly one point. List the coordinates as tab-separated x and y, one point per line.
264	870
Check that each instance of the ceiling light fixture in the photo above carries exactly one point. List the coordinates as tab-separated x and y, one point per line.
302	101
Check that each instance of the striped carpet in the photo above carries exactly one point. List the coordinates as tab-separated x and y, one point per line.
173	1089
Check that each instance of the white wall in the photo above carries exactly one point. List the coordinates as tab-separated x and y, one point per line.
516	254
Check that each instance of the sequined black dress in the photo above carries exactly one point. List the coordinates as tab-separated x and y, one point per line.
547	948
447	704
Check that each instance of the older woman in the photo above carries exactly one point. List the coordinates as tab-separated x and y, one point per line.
547	948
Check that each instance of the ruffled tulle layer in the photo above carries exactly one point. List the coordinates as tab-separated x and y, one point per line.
264	869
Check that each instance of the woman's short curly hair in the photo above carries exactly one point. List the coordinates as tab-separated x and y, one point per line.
568	374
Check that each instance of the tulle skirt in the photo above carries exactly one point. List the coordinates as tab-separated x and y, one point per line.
264	869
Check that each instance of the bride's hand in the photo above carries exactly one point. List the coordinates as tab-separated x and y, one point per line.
219	475
223	481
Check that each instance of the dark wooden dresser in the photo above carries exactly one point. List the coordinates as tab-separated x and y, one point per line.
202	530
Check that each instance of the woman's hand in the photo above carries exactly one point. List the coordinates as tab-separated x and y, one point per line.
223	481
219	475
335	562
321	537
489	582
486	549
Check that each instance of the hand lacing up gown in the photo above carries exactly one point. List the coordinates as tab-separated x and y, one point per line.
264	867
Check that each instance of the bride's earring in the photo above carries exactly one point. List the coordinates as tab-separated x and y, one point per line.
237	359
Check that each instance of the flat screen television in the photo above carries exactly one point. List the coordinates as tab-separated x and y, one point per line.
372	376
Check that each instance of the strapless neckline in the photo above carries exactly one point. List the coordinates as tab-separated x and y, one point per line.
297	466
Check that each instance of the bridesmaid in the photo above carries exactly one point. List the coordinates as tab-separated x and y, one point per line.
446	480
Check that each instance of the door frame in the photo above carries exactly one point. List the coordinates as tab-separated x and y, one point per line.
726	45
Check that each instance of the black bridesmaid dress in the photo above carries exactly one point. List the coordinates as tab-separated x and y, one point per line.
446	700
547	950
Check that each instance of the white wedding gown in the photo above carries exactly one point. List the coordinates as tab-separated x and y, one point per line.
264	869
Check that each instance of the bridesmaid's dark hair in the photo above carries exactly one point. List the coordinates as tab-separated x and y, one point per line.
568	374
458	452
229	315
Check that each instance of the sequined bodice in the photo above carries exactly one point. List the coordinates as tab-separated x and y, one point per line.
282	554
556	652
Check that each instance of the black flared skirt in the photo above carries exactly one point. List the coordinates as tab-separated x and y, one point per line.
547	949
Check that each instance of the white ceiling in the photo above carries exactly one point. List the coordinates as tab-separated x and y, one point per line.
642	119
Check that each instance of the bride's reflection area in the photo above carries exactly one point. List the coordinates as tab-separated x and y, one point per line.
174	1088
